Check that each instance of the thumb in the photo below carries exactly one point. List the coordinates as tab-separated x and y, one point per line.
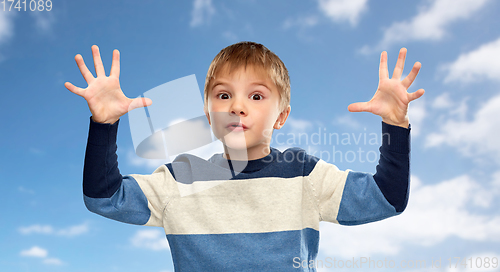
139	103
415	95
358	107
72	88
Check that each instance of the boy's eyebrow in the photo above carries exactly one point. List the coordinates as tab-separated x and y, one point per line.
259	83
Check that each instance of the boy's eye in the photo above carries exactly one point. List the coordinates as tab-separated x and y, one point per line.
256	97
223	96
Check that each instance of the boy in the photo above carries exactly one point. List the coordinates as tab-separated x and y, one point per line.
266	216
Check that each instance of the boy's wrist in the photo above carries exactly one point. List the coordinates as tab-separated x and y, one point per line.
404	124
97	120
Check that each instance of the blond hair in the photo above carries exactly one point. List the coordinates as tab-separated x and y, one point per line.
257	55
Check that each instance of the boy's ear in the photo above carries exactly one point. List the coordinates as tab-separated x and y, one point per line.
207	115
282	118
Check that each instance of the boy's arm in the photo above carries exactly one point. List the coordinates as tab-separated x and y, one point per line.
356	198
392	178
104	188
106	191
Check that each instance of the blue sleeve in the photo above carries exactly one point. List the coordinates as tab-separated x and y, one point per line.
367	198
106	192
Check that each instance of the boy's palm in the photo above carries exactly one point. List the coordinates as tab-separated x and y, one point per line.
106	100
391	98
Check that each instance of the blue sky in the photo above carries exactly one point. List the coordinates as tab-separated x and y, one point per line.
331	49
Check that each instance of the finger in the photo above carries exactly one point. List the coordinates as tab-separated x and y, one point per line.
72	88
87	75
115	65
412	75
383	72
139	103
99	68
400	64
358	107
416	95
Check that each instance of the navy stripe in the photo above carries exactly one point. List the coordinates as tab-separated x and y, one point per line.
293	162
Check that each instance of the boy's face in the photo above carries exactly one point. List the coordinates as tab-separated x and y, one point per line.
243	109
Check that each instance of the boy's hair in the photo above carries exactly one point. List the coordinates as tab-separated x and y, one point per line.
257	55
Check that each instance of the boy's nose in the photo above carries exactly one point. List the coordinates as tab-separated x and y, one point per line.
238	108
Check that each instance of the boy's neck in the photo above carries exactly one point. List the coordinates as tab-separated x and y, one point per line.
246	154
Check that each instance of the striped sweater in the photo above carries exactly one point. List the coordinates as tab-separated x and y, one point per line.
259	219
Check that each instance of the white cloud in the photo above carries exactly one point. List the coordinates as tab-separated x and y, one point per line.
429	24
339	11
43	20
417	113
47	229
298	125
484	62
35	251
6	26
73	230
39	252
301	22
52	261
347	120
343	10
202	12
25	190
152	239
477	138
443	101
435	213
230	36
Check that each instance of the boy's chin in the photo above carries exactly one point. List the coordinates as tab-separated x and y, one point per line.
234	141
235	144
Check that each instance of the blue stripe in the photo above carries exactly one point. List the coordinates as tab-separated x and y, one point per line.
272	251
128	204
362	201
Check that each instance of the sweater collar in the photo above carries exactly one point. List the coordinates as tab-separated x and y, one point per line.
251	166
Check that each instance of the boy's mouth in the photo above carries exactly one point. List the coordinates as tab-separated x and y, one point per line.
236	126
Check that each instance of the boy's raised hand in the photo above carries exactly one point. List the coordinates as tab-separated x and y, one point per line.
106	100
391	98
